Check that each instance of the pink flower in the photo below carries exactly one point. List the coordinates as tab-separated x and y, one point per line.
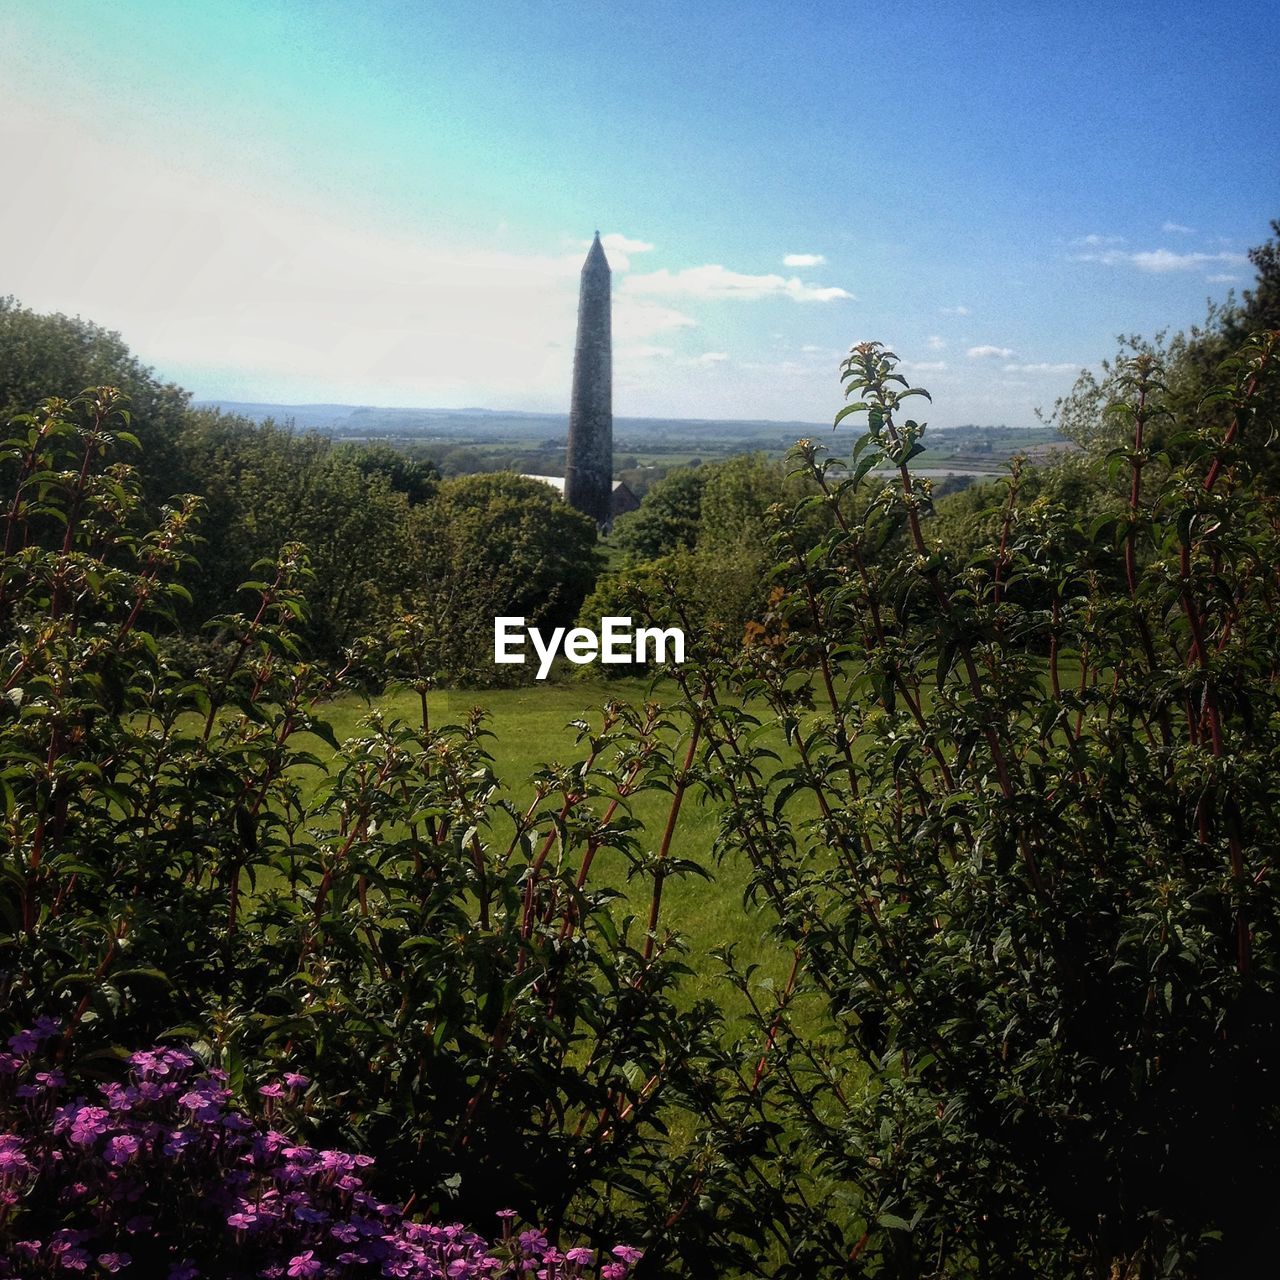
305	1264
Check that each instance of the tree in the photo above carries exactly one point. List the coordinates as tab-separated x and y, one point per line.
264	485
58	355
1190	363
667	519
499	543
417	478
736	499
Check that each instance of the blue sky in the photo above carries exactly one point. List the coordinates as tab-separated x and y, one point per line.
388	202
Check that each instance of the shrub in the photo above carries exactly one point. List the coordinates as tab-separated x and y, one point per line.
187	851
162	1175
1023	845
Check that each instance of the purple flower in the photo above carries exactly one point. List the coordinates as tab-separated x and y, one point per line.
88	1124
254	1180
13	1161
178	1141
121	1149
24	1043
66	1239
295	1081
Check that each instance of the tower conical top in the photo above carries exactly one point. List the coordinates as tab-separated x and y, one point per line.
595	256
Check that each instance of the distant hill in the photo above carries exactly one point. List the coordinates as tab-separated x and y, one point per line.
365	421
496	439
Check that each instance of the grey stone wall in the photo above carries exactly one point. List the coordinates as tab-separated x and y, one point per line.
589	462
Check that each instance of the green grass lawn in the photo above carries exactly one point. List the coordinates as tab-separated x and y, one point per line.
532	726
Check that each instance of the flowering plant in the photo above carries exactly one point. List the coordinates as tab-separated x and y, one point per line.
163	1175
181	858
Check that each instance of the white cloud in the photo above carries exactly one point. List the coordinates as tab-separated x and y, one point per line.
243	295
936	343
1063	367
1160	261
709	358
641	351
633	319
925	366
803	260
1097	241
989	353
959	310
1223	279
616	240
619	248
715	281
1176	228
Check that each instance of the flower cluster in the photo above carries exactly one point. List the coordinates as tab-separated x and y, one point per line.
161	1176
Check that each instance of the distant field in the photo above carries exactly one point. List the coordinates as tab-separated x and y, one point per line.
462	440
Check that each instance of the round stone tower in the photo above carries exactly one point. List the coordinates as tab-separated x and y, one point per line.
588	475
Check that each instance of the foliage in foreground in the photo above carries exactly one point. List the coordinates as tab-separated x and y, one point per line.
1020	841
161	1175
1024	847
442	960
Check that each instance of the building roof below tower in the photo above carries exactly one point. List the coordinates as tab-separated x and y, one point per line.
623	499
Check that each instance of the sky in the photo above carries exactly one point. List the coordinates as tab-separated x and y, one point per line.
388	203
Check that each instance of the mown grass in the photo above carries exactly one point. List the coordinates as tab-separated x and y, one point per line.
532	727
